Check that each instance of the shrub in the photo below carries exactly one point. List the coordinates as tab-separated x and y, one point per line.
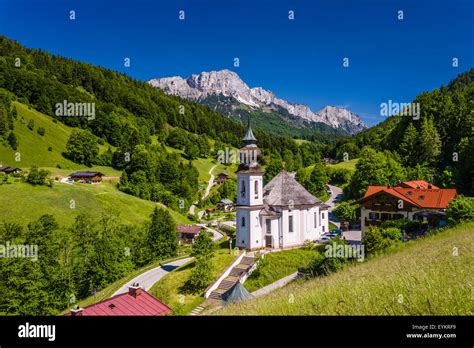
41	131
460	210
38	176
31	124
201	276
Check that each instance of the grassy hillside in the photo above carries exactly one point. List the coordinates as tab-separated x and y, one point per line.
345	165
424	277
33	148
30	202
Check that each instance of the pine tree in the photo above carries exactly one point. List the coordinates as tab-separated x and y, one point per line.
162	234
408	145
430	142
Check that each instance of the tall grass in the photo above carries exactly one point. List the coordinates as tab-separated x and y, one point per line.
429	276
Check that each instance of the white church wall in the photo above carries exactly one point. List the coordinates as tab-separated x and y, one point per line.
251	197
242	235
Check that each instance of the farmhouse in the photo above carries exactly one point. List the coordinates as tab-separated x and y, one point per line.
280	215
9	170
87	177
136	302
222	177
187	233
225	205
412	200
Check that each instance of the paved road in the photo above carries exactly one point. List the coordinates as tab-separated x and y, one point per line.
216	234
147	279
336	195
352	237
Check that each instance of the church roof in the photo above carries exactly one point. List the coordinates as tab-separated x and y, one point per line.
237	294
284	190
249	138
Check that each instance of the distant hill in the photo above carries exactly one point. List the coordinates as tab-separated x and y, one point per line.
421	278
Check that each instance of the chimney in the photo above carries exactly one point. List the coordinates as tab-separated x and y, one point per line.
135	290
76	311
430	186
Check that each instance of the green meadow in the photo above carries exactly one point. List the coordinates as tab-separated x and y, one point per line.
429	276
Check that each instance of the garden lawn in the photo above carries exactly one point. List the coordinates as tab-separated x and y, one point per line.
277	265
169	288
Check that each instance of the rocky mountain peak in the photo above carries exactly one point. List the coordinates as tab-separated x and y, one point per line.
227	83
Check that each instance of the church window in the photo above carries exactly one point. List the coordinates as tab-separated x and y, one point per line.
243	221
242	189
256	188
290	223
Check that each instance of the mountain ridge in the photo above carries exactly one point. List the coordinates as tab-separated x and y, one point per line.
199	87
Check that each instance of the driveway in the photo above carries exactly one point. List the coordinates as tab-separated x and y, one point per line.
147	279
352	237
216	235
336	195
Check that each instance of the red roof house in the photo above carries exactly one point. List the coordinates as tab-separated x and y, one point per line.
135	302
409	200
188	233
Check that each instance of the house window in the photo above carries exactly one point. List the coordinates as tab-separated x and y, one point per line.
315	219
242	189
324	228
243	221
322	216
256	188
269	226
290	223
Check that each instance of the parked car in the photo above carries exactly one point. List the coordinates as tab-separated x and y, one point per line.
337	231
325	239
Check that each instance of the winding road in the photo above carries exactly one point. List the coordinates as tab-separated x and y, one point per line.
336	195
206	193
147	279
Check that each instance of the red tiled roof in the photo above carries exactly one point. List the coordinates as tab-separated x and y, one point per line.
188	229
435	198
126	305
418	184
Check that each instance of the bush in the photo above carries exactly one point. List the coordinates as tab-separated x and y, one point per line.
392	233
201	276
407	226
460	210
31	124
38	176
346	212
41	131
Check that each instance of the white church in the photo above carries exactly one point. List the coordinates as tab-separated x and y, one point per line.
280	215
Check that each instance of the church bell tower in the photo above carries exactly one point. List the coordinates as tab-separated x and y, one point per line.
249	194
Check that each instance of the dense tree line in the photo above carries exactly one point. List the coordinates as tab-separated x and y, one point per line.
8	114
153	174
439	140
73	263
127	111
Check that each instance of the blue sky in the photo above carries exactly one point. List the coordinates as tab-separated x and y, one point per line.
299	60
